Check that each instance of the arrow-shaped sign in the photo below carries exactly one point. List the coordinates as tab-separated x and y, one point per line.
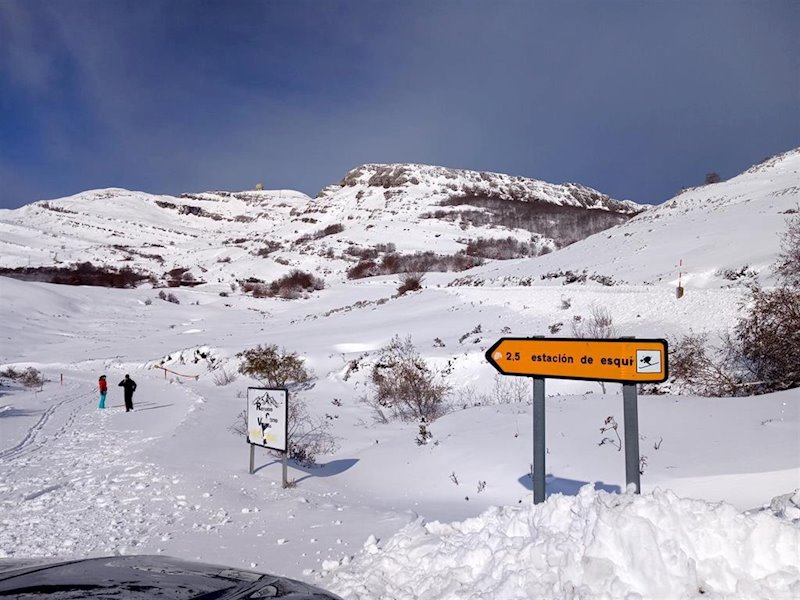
621	360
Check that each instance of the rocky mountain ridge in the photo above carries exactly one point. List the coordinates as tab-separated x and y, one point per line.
224	236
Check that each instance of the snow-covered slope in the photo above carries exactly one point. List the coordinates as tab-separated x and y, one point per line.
224	236
718	516
720	233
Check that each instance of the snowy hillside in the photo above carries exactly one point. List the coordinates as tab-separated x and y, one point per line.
720	232
221	237
383	516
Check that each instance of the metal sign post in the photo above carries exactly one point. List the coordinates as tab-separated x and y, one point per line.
630	410
539	445
624	360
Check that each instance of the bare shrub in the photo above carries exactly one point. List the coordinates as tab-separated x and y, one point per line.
309	436
763	353
610	424
268	248
410	282
405	386
276	368
362	253
222	376
84	273
698	368
420	262
510	390
788	267
295	284
364	268
500	248
599	325
30	377
317	235
767	340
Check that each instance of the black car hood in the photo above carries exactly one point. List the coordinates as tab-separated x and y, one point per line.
140	577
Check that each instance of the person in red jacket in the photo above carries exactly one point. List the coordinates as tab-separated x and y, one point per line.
103	390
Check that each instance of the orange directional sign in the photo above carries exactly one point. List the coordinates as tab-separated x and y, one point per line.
625	361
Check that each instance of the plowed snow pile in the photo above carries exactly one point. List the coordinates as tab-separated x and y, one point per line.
593	545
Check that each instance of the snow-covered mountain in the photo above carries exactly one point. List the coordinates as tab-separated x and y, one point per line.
715	518
714	235
223	236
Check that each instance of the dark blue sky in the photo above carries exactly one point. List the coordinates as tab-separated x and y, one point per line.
635	98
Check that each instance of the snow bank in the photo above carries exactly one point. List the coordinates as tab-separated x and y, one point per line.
593	545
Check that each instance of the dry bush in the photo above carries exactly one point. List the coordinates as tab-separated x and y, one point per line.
29	377
309	436
700	369
268	248
762	355
510	390
318	235
788	267
405	386
295	284
766	341
273	367
420	262
168	297
364	268
500	248
505	390
222	376
84	273
599	325
410	282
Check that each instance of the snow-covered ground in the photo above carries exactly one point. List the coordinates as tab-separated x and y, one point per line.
384	517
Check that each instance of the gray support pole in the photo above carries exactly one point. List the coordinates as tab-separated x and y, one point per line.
539	446
252	458
285	469
631	415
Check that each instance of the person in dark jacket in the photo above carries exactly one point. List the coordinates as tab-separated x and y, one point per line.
129	386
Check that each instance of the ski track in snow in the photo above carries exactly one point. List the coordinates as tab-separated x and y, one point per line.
78	492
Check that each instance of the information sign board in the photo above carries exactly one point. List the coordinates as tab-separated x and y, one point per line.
268	417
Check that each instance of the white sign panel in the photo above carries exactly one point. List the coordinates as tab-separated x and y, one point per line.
268	418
